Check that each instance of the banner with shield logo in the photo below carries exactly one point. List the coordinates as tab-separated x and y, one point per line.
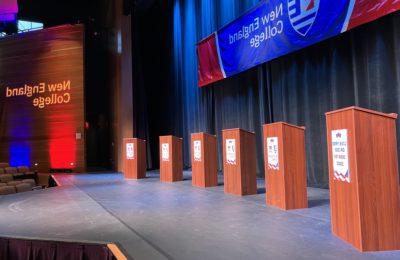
277	27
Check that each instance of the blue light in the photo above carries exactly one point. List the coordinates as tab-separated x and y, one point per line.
20	135
20	154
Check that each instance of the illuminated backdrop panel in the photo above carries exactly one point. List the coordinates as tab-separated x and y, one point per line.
42	99
8	10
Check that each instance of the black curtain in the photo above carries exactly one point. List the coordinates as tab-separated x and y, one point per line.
20	249
360	67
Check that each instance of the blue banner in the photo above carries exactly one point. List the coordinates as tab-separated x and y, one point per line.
276	28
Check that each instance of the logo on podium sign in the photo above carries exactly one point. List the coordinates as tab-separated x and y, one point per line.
273	153
130	153
340	155
231	151
165	152
197	150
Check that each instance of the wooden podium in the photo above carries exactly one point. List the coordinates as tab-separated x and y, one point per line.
239	149
363	178
204	160
134	165
171	166
285	166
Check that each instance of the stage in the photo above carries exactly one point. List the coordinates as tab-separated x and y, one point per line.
153	220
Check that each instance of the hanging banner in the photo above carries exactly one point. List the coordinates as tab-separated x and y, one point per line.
340	156
278	27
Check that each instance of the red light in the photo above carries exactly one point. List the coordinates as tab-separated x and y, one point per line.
62	143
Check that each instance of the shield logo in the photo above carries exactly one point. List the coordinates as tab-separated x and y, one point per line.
302	14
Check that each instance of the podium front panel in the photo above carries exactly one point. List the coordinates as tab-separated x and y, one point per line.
204	160
134	163
171	165
363	177
239	162
285	166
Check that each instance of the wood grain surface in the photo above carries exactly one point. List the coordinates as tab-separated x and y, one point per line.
51	136
366	211
240	178
286	187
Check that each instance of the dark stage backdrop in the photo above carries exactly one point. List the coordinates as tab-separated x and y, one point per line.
42	99
359	68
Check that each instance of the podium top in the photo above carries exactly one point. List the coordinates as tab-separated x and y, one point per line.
173	136
391	115
237	129
134	138
203	133
287	124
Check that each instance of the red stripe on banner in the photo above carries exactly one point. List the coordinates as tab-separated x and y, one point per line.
310	5
209	68
366	11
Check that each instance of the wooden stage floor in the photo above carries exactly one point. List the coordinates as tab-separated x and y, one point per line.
153	220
